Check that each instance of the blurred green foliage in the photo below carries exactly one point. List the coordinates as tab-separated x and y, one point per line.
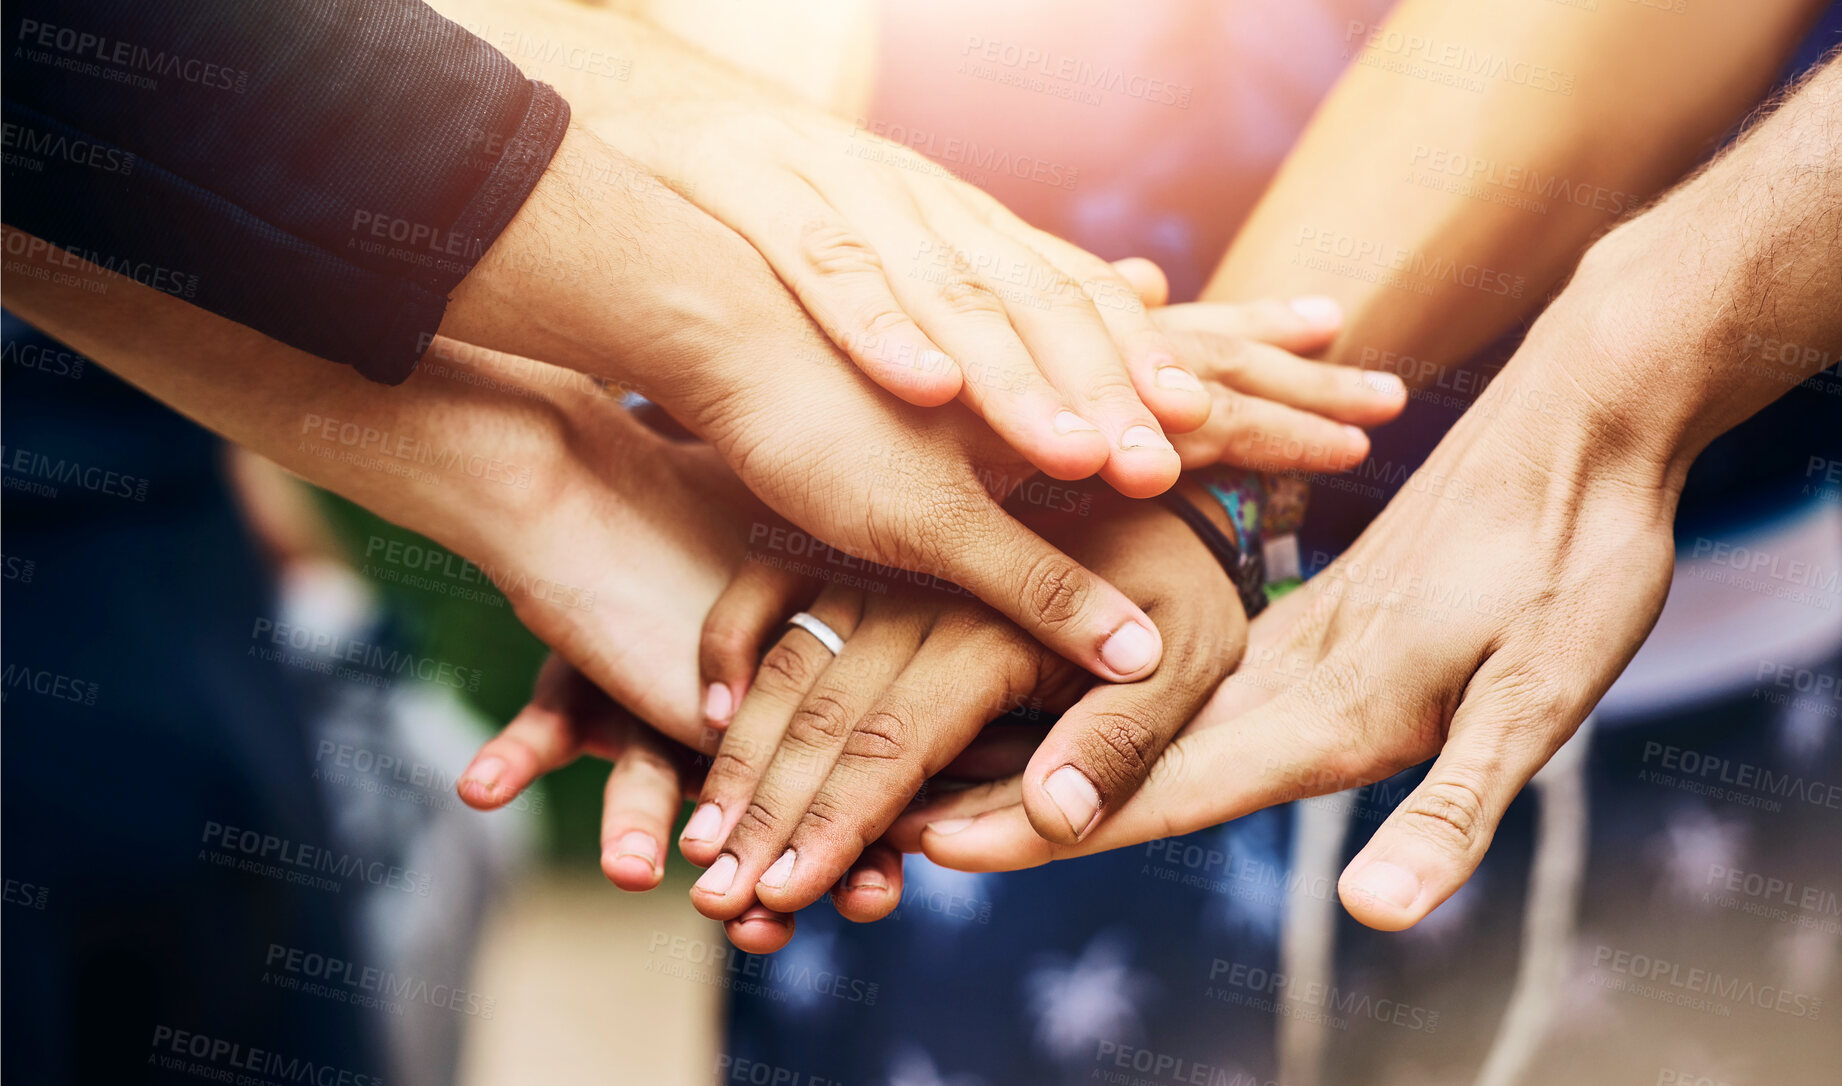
482	634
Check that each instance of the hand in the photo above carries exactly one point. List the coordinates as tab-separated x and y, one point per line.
568	716
1478	621
930	286
825	752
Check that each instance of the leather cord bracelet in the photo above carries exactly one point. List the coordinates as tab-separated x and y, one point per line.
1245	568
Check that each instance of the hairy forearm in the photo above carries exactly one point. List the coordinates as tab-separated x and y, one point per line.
1441	196
1728	292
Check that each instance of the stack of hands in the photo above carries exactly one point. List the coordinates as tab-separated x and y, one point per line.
817	753
1081	597
860	352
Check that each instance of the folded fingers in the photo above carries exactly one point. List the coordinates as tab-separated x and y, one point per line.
956	683
754	855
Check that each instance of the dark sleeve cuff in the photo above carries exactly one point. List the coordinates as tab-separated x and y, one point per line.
325	173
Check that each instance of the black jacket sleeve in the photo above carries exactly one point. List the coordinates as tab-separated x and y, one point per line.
324	171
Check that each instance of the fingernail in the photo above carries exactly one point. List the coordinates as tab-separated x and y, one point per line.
487	771
1318	310
721	874
949	825
1075	796
1383	881
719	703
1130	650
1143	437
639	843
775	877
1067	422
706	822
1385	383
1178	378
869	878
933	362
1356	434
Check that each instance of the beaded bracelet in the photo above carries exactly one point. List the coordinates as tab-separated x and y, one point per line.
1266	512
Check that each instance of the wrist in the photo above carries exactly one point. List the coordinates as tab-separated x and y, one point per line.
604	270
1542	444
1613	378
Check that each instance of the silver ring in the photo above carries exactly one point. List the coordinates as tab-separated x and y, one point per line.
826	635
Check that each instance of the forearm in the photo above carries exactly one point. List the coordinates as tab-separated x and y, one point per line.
1689	318
1440	211
326	423
609	223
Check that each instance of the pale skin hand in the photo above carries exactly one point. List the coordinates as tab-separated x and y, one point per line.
929	285
1491	605
604	258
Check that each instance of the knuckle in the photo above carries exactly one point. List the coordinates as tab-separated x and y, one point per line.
878	318
945	529
968	296
758	820
786	671
1120	748
1449	813
1060	290
828	828
1055	590
730	767
1229	358
1111	385
1228	410
821	721
824	815
833	250
883	736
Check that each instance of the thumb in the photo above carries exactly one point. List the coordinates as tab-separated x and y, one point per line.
1052	597
1433	842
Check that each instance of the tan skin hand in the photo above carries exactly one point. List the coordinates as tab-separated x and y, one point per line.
1476	622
